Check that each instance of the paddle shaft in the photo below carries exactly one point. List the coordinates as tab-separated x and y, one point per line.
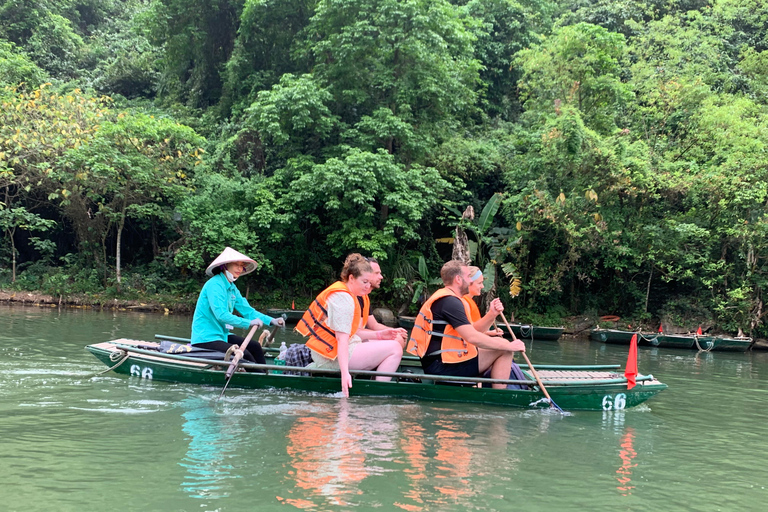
236	359
530	366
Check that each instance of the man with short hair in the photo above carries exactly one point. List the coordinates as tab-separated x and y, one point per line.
445	340
372	323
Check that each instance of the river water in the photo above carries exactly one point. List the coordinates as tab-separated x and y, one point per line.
72	441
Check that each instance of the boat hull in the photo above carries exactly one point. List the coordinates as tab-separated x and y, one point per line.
688	341
523	332
535	332
569	395
291	315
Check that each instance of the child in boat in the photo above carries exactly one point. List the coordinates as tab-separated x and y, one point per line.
213	318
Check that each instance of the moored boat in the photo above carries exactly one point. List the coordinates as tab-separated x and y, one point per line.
536	332
406	322
292	316
598	387
690	341
523	332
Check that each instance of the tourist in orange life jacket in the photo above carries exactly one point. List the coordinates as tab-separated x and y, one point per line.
480	322
333	323
371	322
445	340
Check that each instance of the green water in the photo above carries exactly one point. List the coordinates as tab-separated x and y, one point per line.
70	441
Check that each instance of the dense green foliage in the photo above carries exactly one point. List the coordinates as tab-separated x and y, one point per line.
617	149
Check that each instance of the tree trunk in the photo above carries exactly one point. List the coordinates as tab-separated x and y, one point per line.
461	242
117	248
648	289
13	257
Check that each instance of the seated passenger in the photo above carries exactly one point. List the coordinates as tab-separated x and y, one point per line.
370	321
333	327
480	322
445	340
213	318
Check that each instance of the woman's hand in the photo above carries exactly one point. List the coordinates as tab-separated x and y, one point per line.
278	321
346	383
496	306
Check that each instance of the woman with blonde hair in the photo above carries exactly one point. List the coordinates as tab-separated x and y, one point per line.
333	326
480	322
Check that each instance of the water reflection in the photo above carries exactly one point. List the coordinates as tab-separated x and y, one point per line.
445	458
211	447
627	455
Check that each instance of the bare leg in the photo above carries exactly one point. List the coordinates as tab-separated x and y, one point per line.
382	355
499	362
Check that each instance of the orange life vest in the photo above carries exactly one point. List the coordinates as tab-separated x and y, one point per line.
314	323
365	313
474	311
453	349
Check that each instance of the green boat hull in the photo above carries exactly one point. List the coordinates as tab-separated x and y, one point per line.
569	396
535	332
687	341
523	332
406	322
291	315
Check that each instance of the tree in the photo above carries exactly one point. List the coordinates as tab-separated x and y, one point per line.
134	167
412	57
579	66
362	200
13	218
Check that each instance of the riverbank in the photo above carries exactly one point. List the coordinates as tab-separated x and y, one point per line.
157	304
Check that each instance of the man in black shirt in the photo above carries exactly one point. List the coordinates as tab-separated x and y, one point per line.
445	339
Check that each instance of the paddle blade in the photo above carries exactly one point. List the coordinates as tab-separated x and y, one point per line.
631	370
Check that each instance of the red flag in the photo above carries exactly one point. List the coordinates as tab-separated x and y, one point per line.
293	304
698	331
631	370
660	328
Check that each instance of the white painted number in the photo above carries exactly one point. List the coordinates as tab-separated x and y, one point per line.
138	371
618	402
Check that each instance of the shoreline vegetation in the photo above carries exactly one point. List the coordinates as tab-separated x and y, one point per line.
577	328
593	158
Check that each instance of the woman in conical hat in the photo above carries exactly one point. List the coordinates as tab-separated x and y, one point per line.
219	297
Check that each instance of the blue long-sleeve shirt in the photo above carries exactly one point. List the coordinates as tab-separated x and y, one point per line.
213	311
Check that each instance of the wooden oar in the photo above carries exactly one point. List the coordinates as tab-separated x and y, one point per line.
236	359
533	370
267	337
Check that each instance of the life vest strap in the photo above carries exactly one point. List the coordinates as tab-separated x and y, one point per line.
437	352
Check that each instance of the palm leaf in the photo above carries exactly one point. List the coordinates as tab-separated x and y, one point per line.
491	207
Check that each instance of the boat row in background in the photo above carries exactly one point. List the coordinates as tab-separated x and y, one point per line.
523	332
703	342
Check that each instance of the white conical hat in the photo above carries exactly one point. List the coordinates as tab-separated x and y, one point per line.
230	255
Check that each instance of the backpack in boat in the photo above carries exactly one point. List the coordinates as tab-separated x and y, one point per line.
515	373
298	354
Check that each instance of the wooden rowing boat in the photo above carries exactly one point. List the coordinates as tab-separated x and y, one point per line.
536	332
690	341
292	316
598	387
